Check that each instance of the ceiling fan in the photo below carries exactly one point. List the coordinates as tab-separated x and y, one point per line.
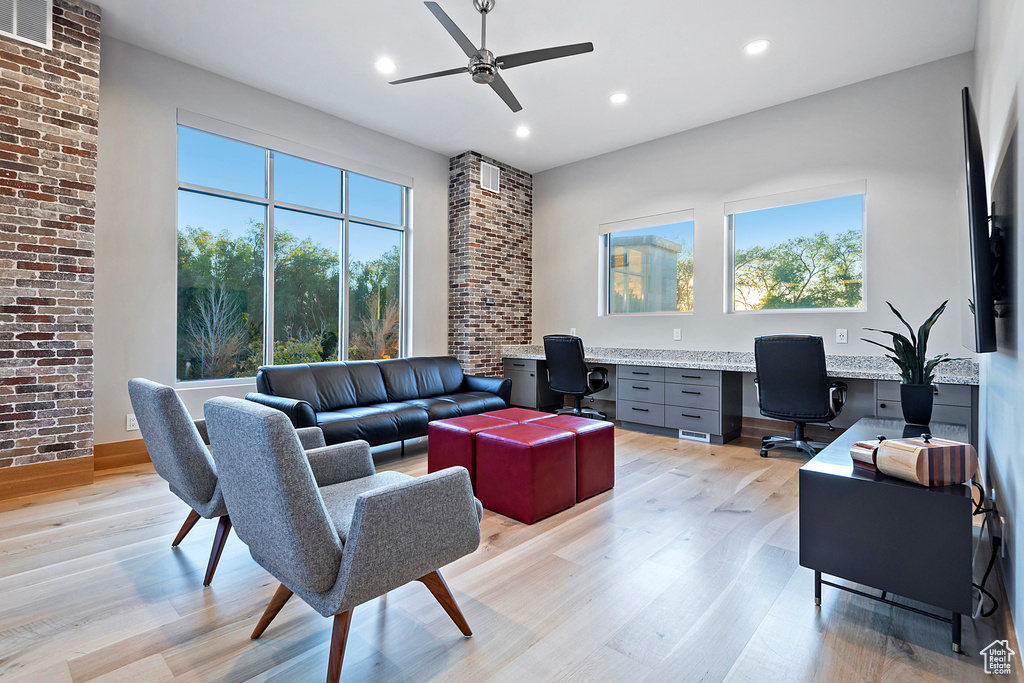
483	65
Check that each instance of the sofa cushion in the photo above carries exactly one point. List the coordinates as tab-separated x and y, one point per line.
475	402
290	381
334	386
376	424
399	379
451	373
438	408
340	499
369	385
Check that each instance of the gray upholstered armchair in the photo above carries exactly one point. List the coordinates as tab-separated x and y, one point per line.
360	535
178	448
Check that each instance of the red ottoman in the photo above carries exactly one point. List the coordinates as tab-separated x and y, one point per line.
595	452
452	442
517	414
525	471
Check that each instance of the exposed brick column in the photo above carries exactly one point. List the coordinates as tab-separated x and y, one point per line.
49	117
490	256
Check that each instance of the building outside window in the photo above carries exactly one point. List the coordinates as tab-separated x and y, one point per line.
650	267
799	251
282	260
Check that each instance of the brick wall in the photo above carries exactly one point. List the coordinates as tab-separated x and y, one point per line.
490	255
49	109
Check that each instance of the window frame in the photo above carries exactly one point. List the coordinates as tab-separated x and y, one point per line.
604	252
265	142
792	198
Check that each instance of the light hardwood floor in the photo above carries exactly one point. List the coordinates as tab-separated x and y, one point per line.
687	570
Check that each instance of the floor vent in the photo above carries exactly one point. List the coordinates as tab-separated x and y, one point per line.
490	177
30	21
694	436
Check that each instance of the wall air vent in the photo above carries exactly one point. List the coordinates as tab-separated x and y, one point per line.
30	21
490	177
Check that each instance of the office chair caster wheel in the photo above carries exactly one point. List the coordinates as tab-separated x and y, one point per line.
764	453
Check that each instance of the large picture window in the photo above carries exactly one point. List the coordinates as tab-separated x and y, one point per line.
798	255
650	268
267	245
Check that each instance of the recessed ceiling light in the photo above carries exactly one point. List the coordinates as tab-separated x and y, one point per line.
756	47
618	98
385	66
523	131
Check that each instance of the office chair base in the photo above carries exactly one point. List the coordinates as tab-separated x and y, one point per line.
811	448
582	412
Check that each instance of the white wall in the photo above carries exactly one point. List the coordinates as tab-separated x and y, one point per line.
135	235
901	133
999	66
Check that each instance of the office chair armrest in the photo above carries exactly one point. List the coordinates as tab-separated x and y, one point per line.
300	412
341	462
597	379
311	437
406	530
499	386
201	427
837	392
757	393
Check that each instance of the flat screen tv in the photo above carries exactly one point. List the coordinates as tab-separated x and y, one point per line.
979	307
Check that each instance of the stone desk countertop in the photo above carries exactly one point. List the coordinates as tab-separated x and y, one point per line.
849	367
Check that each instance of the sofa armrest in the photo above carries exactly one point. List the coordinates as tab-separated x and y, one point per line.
341	462
408	529
311	437
498	386
201	427
300	412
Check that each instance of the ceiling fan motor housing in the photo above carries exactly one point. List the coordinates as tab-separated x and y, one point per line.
483	67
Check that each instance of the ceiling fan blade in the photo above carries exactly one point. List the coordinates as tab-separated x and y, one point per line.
499	86
521	58
465	43
436	74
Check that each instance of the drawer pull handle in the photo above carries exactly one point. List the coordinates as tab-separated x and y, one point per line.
695	417
881	405
691	376
640	373
642	410
519	365
695	393
935	389
642	388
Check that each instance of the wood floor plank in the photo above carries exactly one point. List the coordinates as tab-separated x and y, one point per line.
685	570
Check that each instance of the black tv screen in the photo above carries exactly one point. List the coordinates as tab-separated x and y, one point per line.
979	309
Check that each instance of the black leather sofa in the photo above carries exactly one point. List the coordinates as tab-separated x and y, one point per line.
377	401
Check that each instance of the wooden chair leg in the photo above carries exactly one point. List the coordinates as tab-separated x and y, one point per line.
435	583
276	603
339	637
219	539
190	522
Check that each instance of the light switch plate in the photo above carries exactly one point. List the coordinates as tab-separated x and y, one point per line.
677	334
841	336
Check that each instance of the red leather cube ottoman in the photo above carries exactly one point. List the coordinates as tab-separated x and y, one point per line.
595	452
525	471
452	442
517	414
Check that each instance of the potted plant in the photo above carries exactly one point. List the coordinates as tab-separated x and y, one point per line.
916	370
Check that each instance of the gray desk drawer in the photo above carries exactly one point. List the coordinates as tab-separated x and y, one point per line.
512	364
945	394
644	413
641	372
693	419
641	390
687	376
953	414
692	396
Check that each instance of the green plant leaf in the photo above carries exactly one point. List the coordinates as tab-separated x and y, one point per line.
887	348
911	329
925	330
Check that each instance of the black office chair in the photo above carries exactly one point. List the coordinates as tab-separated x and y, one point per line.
568	374
792	385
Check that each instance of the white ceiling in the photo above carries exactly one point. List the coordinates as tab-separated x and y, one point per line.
680	61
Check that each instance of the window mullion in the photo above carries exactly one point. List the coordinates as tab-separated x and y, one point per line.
268	268
343	302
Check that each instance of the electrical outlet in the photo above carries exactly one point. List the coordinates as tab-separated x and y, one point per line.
572	331
677	334
841	336
131	424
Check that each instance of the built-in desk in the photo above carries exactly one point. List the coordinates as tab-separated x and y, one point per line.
873	380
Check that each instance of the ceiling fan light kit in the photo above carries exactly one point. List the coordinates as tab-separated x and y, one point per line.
483	65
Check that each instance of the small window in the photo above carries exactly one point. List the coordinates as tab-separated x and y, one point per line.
798	256
650	269
221	164
374	199
306	183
